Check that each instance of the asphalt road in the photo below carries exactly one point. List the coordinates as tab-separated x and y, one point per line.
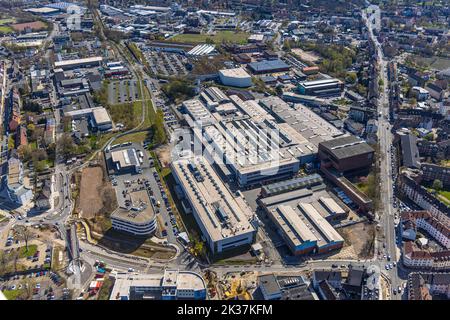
387	216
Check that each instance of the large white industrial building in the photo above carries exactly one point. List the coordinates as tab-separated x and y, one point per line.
236	77
253	141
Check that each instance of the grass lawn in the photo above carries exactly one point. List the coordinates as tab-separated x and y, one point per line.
23	252
7	21
5	29
219	37
12	294
133	137
445	196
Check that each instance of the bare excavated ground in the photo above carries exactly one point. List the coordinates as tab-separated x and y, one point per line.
163	154
97	196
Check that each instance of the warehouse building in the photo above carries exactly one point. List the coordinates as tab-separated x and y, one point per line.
347	156
326	87
268	66
302	210
431	172
236	77
79	63
257	141
202	50
224	219
304	230
312	127
172	285
233	133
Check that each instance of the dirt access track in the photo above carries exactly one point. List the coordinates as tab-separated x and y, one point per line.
91	187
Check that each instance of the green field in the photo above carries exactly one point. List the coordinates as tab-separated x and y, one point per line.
219	37
445	196
12	294
7	21
23	253
5	29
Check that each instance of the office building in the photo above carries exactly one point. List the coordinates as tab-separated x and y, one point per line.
172	285
137	217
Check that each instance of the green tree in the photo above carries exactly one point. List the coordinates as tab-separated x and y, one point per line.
159	136
351	77
437	185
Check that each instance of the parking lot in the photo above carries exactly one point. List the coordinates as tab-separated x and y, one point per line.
123	91
166	63
148	179
43	285
170	118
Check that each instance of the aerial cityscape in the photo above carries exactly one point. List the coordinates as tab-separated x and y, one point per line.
225	150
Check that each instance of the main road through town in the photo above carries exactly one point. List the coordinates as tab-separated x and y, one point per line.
386	213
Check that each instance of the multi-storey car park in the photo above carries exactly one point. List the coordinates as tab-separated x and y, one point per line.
224	219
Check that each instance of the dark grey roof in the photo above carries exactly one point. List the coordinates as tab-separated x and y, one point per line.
327	292
267	65
346	147
320	275
355	276
410	152
270	284
293	184
297	293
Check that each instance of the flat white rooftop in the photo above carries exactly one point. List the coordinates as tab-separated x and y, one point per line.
65	63
235	73
222	214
